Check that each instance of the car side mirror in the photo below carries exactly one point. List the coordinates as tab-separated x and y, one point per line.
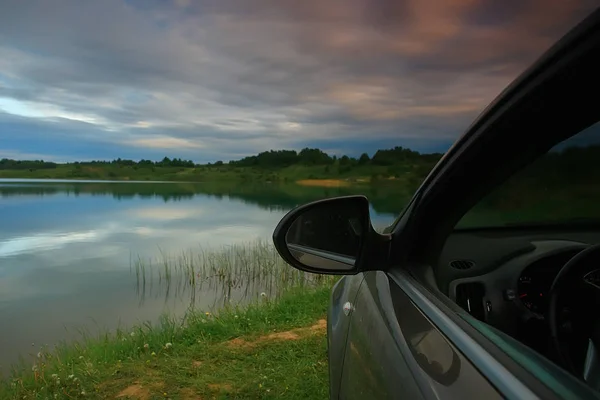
331	236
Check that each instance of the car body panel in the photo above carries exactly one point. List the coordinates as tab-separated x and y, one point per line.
395	351
344	291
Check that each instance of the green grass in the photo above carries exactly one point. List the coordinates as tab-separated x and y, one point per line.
272	347
194	358
405	173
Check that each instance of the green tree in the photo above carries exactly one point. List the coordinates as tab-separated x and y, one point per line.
314	157
364	159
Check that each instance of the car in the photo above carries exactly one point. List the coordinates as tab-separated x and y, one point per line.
487	285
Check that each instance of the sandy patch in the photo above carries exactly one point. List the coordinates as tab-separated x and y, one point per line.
136	391
288	335
323	182
217	387
321	325
294	334
189	394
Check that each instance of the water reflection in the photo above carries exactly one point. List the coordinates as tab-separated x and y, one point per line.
105	255
385	198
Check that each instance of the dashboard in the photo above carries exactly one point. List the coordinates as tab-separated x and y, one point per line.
509	274
504	278
535	281
533	291
593	277
519	286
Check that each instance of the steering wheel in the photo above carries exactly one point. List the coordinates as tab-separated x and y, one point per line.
573	322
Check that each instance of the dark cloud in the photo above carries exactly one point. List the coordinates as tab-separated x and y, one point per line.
215	79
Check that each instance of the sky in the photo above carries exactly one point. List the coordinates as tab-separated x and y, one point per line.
215	80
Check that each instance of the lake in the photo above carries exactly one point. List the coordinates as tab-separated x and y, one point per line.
92	254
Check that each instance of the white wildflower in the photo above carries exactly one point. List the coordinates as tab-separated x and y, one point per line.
168	345
132	334
70	376
146	346
263	294
34	368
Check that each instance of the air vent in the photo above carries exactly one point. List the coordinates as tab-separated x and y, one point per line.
462	264
470	297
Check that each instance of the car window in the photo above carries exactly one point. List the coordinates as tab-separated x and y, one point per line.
560	187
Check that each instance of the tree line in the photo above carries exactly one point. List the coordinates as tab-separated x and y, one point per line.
266	159
6	163
307	156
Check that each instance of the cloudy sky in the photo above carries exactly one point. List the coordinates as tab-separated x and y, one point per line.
209	80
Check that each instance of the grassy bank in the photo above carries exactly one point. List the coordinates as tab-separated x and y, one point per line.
405	173
270	349
267	166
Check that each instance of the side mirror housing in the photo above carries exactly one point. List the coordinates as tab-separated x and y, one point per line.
332	236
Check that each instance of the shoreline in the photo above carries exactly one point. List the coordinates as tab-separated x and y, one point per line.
324	183
270	348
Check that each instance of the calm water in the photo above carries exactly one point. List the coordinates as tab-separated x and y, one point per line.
68	250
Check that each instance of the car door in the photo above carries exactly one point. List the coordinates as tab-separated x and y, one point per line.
339	316
395	351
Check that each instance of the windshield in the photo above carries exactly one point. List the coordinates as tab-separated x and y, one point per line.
560	187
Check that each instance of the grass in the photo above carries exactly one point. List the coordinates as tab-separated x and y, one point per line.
233	354
272	347
404	173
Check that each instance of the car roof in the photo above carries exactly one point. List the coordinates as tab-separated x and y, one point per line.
548	103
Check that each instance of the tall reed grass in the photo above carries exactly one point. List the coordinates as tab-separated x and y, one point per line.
236	273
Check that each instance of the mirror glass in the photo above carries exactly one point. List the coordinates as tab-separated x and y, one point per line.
328	236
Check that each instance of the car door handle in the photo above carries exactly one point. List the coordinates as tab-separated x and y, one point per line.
348	308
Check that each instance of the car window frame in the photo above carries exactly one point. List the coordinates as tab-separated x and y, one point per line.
510	377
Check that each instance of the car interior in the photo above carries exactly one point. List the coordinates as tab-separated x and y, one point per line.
525	259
